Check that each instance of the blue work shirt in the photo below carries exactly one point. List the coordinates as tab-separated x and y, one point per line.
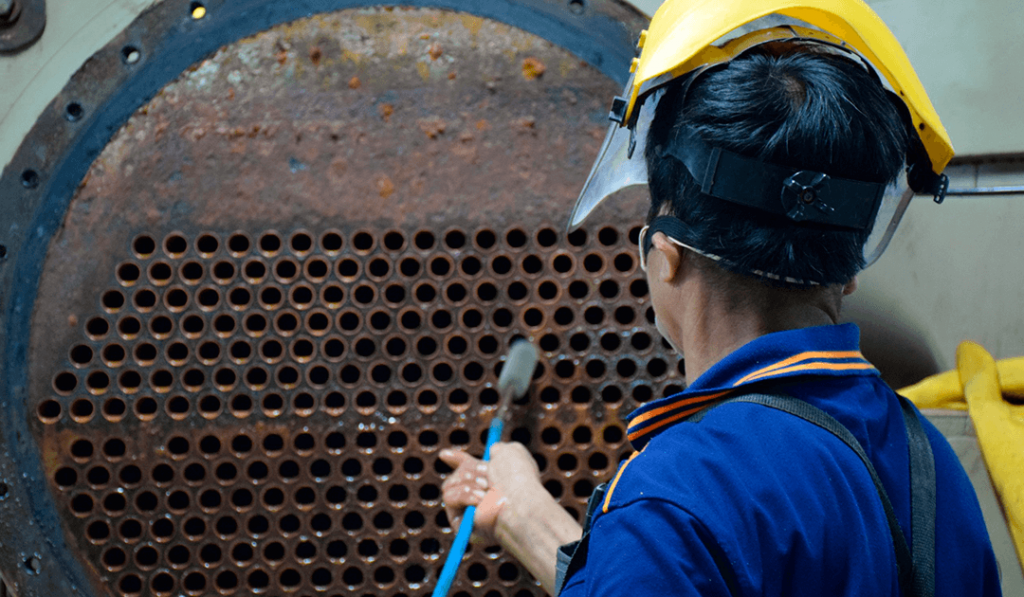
755	501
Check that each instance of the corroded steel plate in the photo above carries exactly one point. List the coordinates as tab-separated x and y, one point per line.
290	279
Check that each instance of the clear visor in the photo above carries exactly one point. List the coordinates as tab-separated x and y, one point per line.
894	204
615	169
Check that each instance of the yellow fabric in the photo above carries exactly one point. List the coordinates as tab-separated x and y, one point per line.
938	391
682	32
981	386
945	391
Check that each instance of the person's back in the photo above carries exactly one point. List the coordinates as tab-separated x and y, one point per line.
754	501
776	165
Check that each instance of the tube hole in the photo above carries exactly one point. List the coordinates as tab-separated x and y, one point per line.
130	55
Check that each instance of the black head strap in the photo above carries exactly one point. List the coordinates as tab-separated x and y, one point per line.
671	226
800	195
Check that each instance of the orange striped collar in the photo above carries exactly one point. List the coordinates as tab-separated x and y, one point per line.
823	351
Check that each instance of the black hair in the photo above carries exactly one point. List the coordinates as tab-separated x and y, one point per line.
790	107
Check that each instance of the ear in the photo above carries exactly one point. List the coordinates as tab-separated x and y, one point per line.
672	254
850	286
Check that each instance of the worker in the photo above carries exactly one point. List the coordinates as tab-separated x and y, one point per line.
780	141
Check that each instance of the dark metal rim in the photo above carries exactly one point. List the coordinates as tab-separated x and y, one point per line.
37	187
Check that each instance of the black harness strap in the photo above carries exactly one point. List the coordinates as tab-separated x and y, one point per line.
812	414
916	568
922	502
571	557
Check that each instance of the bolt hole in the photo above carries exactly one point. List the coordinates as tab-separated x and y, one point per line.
32	565
74	112
197	10
577	6
130	54
3	251
30	179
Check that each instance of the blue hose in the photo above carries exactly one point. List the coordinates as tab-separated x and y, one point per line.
451	563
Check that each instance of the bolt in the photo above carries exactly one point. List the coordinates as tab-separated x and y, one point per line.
8	11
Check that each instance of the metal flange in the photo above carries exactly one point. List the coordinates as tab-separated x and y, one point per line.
37	188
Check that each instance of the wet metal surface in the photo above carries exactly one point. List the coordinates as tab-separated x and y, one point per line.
289	280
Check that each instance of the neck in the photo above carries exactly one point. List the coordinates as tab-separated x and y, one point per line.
715	323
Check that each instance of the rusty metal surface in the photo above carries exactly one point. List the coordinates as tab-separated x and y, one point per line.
39	549
442	151
21	24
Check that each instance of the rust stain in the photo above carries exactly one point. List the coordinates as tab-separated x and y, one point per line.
432	126
533	68
471	23
315	55
354	83
525	123
482	125
337	172
385	187
351	56
435	51
386	110
451	76
424	70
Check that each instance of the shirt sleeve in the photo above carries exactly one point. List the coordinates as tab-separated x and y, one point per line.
651	547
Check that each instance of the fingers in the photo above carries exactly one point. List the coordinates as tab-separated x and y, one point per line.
466	486
462	496
454	515
488	506
455	458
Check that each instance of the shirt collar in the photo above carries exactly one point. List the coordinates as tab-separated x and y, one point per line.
832	350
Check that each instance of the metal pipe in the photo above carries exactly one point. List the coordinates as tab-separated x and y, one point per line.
1007	190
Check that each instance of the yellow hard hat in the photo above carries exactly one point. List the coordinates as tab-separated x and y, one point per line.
688	36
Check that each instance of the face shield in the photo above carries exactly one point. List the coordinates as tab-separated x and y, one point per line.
890	211
620	162
676	47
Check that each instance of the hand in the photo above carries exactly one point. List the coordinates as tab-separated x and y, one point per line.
512	506
511	473
469	486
